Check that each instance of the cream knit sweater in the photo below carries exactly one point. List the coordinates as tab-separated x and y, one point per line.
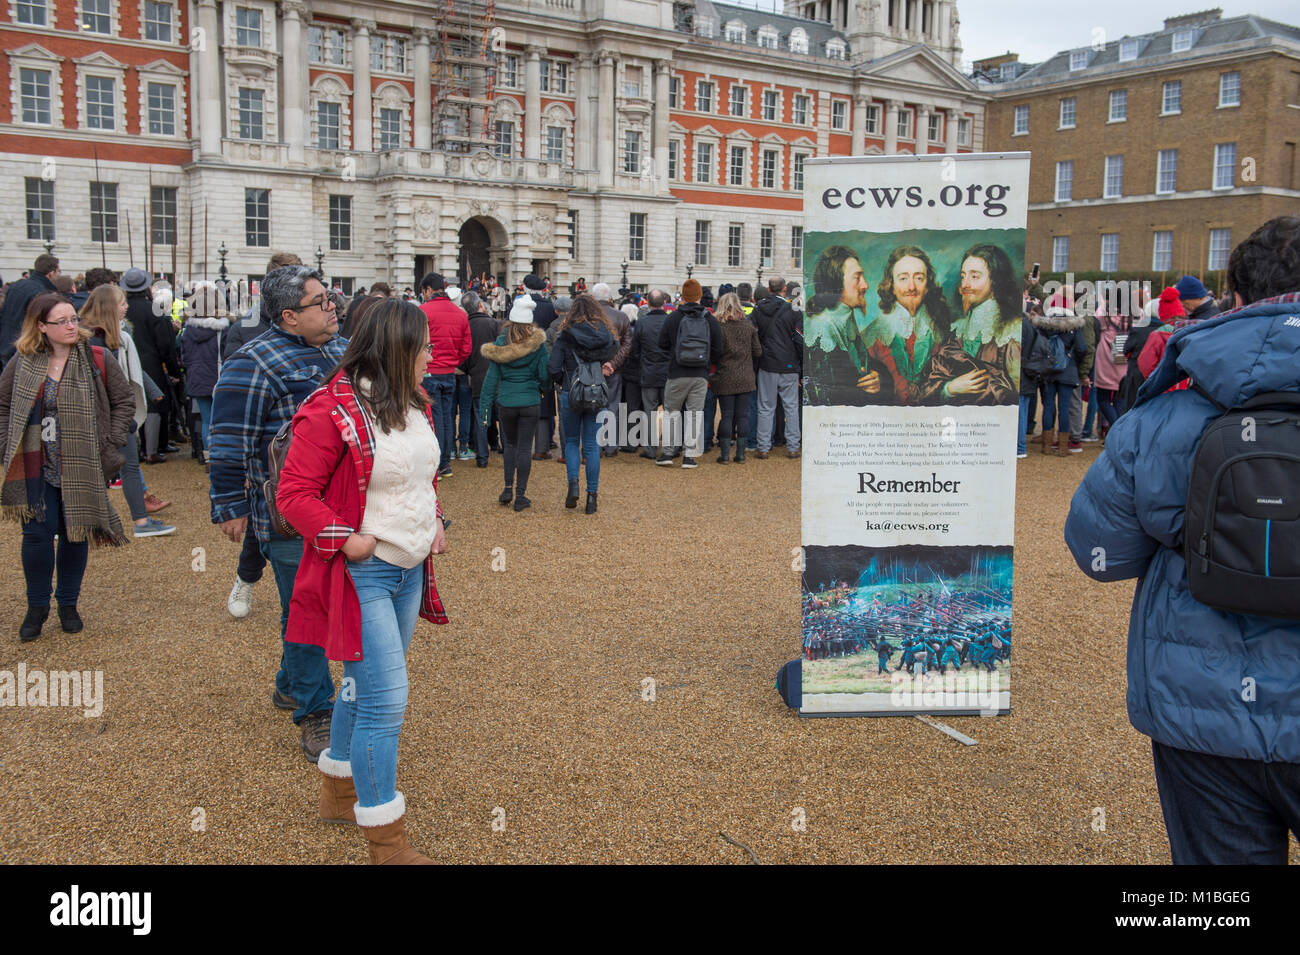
401	505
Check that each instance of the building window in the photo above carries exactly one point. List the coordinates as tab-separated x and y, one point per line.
705	27
573	233
933	130
376	53
37	101
770	160
162	215
336	47
248	26
1183	40
1167	171
674	92
1220	246
835	50
796	172
390	128
555	144
161	104
1067	112
904	124
1225	165
632	152
101	91
736	166
1021	126
1128	49
1060	253
250	113
800	111
703	97
1118	106
636	237
32	13
839	114
1114	187
157	21
771	100
963	131
544	75
1078	59
765	238
315	45
767	38
701	242
340	223
738	100
397	60
1162	251
327	125
257	217
704	162
796	246
508	72
1229	89
735	234
1064	180
674	158
798	40
873	120
1110	252
734	31
40	208
103	212
560	78
1172	98
97	17
503	146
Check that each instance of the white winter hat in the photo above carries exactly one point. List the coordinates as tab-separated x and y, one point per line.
453	293
521	312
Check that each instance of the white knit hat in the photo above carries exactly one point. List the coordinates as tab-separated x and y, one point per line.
522	311
454	293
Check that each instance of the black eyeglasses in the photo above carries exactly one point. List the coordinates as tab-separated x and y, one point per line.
324	302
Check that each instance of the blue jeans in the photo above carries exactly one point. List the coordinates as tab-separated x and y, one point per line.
441	390
1056	398
40	560
205	417
752	441
580	427
467	423
369	713
304	672
1026	403
1090	417
710	412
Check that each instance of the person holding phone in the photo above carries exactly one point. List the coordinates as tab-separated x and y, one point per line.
360	482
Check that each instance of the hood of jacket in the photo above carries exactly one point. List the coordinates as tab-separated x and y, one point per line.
202	329
770	305
589	338
503	352
1234	355
1062	321
691	308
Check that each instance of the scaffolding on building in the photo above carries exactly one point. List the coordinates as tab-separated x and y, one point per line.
465	70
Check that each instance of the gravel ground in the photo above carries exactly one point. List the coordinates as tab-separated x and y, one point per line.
526	710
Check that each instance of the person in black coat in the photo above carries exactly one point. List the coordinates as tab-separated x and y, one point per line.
155	341
482	331
652	359
687	384
19	295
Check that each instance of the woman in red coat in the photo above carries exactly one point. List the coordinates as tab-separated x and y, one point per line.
360	484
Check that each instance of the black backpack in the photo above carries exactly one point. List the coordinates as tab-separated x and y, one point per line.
1039	361
588	392
693	340
1241	528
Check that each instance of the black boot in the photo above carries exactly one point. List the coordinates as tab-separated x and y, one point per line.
522	502
70	619
740	451
506	496
33	622
571	501
591	502
725	456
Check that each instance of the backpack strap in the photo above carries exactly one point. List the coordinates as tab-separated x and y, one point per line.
97	353
1209	397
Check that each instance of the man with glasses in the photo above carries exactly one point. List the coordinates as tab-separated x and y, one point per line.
257	392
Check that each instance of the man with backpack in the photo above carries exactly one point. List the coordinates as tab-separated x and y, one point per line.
1052	357
1214	636
693	339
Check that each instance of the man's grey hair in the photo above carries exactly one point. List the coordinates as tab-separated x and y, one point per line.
563	305
285	287
601	292
657	298
470	302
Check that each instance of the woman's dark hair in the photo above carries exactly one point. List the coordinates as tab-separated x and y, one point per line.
1267	262
933	302
587	309
383	347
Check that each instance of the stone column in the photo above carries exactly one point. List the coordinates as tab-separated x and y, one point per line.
941	26
922	129
605	121
951	118
662	70
362	137
210	131
295	103
582	131
423	117
860	101
891	126
533	103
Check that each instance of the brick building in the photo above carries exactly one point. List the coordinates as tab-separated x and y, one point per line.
1155	152
561	136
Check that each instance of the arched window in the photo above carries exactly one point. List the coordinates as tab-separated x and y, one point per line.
735	31
798	40
835	49
768	37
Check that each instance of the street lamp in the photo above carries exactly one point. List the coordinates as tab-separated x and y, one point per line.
222	252
624	273
760	275
49	246
320	259
690	267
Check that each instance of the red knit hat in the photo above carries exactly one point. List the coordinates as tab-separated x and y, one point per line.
1170	306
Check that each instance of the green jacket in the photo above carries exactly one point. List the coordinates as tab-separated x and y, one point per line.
517	374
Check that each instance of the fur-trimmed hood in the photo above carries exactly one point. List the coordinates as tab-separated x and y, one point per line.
216	324
1059	320
504	353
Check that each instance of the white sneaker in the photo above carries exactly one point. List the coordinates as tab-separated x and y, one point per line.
240	601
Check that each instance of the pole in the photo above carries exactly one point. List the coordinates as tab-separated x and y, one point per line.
205	240
130	240
103	256
148	225
189	247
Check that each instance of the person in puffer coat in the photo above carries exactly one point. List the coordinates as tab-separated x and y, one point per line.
585	335
1217	692
516	379
200	348
1060	322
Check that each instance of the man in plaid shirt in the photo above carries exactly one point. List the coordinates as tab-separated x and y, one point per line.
258	391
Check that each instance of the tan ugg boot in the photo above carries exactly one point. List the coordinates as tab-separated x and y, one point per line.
337	793
385	830
1049	439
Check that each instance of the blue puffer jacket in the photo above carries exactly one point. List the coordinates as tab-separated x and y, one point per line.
200	349
1187	661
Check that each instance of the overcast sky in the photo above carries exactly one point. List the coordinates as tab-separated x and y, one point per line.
1036	30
